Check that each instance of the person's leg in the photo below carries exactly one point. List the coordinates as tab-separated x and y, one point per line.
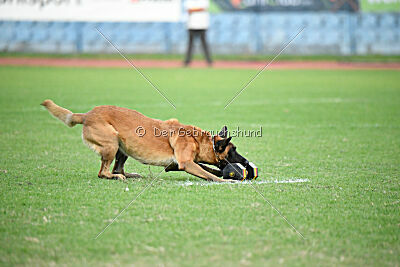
205	46
189	50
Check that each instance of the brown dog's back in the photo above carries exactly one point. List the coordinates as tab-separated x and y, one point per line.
109	128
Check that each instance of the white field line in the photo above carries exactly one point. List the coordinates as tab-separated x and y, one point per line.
288	181
323	100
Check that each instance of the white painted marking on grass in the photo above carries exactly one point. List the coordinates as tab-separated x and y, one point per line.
276	181
289	101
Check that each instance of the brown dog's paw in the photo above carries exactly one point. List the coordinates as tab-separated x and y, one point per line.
133	175
219	180
120	177
227	181
113	176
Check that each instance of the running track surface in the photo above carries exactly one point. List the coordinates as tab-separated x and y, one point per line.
141	63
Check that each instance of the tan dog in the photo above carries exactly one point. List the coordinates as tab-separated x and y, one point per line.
111	130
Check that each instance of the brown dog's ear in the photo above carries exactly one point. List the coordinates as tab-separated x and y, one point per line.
228	140
224	132
222	144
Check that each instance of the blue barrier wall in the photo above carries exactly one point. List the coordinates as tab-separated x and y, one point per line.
229	33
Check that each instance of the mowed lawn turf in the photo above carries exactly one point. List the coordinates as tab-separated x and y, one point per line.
337	130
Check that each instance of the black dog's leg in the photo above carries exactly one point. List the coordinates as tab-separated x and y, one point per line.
173	167
120	159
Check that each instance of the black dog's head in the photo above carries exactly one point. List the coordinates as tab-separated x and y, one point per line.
226	151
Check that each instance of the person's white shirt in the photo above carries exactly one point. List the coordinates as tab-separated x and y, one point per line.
197	20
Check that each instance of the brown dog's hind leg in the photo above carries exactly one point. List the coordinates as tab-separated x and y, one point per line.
107	157
103	139
120	159
105	170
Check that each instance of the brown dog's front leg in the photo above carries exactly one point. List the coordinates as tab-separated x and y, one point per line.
175	167
185	149
193	168
216	172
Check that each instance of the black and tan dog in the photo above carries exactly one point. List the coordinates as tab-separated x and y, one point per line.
115	132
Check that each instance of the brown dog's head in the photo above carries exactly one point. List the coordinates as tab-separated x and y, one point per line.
226	151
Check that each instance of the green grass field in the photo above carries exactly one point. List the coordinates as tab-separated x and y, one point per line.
338	129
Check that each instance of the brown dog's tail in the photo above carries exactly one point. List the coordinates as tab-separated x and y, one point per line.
64	115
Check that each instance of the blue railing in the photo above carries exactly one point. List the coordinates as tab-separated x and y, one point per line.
229	33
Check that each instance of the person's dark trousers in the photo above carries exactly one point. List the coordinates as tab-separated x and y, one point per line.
192	35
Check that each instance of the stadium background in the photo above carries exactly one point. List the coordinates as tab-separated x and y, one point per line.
237	27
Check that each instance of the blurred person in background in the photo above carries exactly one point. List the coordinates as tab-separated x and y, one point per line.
197	24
